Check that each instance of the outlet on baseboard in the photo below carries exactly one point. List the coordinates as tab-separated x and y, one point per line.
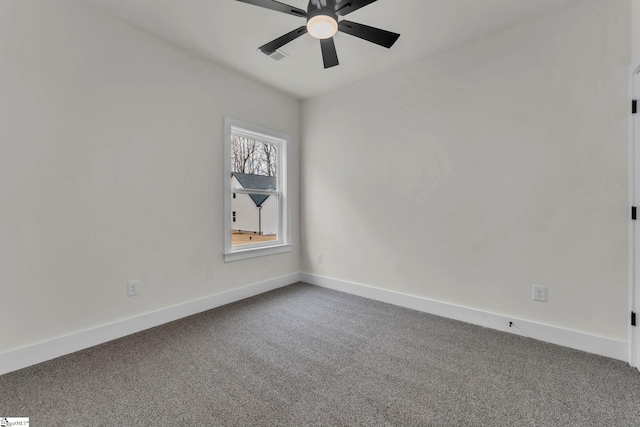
539	293
133	287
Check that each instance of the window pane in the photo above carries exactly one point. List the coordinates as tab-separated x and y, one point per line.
254	165
254	158
255	219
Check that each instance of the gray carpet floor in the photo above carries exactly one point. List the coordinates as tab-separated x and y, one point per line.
304	355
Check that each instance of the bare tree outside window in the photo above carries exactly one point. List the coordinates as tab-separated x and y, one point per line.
270	158
253	157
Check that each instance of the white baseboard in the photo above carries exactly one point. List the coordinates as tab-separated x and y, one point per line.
551	334
47	350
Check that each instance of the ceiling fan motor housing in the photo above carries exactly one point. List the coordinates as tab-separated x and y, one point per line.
328	10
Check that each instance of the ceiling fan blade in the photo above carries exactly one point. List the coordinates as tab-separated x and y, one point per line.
281	41
277	6
345	7
329	54
374	35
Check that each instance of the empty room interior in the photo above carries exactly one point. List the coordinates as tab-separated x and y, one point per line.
209	217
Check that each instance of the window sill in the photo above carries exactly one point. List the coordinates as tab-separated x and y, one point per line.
256	252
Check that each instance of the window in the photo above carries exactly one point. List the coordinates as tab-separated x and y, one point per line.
256	204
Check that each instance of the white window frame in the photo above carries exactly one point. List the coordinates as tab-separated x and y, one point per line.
282	140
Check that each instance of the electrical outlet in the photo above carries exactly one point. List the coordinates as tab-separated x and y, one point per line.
319	258
539	293
133	287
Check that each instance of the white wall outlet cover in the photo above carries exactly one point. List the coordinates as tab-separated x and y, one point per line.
133	287
319	258
539	293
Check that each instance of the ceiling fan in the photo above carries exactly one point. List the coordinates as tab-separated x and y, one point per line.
323	24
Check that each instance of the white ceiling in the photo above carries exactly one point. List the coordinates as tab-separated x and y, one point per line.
229	32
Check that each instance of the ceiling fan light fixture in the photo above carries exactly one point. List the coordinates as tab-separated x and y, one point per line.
322	26
323	23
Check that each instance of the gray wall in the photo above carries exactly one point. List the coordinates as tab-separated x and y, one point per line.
111	169
635	19
471	175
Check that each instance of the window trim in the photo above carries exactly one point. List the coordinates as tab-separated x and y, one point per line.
283	140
